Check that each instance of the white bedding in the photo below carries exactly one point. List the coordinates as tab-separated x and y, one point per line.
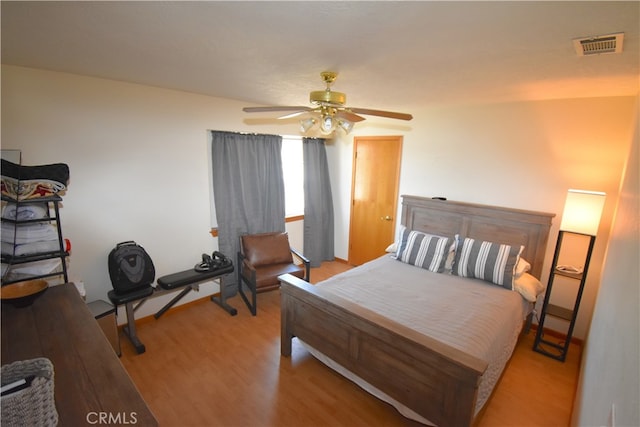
25	212
28	233
477	317
30	248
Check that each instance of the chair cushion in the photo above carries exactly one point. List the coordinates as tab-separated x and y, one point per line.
266	248
268	275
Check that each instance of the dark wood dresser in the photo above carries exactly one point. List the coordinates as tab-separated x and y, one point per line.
90	382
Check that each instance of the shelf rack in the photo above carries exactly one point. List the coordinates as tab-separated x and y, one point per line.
542	345
62	253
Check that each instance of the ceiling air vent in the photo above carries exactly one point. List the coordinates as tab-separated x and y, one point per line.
610	43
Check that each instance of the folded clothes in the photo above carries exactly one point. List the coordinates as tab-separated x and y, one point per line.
29	182
30	189
58	172
30	269
28	233
25	212
30	248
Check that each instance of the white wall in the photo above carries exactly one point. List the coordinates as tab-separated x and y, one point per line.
139	168
614	337
139	164
522	155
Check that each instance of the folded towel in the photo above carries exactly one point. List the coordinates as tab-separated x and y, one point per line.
25	212
30	248
30	189
58	172
30	269
21	182
28	233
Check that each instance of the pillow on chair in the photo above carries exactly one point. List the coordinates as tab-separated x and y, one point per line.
266	249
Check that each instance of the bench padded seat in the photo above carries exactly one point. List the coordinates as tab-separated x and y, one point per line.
188	277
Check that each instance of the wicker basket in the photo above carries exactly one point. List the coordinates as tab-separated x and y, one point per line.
34	405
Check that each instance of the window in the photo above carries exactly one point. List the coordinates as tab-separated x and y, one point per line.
293	175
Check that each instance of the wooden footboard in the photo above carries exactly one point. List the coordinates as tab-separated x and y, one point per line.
435	380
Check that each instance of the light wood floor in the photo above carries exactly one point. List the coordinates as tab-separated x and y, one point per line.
203	367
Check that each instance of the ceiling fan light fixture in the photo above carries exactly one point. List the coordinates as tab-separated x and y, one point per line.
345	125
306	124
327	124
329	110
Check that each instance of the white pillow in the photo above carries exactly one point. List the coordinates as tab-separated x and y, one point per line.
393	248
528	286
522	267
451	256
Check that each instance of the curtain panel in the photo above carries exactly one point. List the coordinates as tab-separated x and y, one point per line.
318	203
248	190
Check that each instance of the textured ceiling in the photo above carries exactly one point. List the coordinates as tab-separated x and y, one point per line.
390	55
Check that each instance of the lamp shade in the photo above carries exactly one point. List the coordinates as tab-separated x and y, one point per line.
327	124
345	125
306	124
582	212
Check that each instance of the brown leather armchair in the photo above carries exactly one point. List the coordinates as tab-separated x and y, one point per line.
261	259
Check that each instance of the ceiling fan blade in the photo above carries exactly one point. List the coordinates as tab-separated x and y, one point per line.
294	114
348	115
274	108
389	114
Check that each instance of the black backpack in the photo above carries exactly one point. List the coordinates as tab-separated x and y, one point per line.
130	268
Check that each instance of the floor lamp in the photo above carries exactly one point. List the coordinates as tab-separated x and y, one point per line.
581	215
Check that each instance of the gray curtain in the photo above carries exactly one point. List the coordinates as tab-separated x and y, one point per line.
248	190
318	203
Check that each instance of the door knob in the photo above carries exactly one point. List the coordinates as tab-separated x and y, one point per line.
386	218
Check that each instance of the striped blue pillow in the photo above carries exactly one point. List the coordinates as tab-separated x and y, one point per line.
423	250
493	262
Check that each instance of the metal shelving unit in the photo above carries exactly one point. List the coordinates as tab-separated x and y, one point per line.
542	345
53	217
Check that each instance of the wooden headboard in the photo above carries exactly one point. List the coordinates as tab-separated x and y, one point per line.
483	222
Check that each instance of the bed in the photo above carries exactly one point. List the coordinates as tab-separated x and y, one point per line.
429	372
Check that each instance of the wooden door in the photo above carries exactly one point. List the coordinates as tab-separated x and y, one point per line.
374	196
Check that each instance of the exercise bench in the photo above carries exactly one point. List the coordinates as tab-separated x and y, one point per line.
189	280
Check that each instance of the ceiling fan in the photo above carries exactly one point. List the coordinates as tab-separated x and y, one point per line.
329	110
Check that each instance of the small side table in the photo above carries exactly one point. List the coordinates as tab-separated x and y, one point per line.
105	315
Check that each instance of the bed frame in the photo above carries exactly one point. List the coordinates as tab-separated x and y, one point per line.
435	380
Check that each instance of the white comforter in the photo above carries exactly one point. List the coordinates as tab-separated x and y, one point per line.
28	233
480	318
25	212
